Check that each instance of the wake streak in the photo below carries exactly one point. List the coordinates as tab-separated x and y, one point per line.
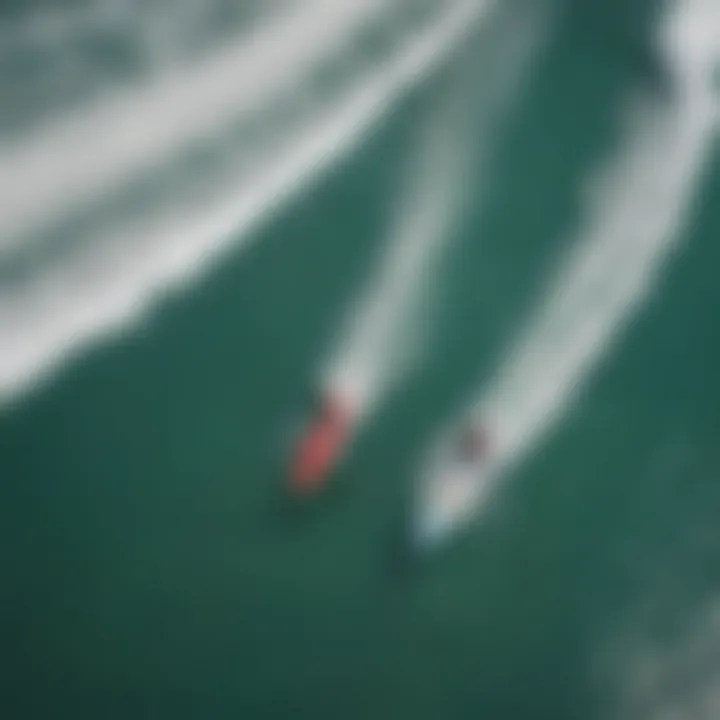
112	282
424	214
638	210
634	226
384	333
93	151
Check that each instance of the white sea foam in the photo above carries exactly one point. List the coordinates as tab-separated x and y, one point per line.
637	212
76	159
112	282
387	325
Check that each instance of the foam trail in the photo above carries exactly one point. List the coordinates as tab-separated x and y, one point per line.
61	25
636	221
92	151
112	283
430	202
383	334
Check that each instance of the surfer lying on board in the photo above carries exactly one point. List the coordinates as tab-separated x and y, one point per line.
472	444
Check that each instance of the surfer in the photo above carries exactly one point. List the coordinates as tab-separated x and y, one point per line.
472	444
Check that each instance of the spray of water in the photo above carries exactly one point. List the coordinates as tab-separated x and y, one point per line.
635	220
612	271
114	280
93	151
364	358
387	327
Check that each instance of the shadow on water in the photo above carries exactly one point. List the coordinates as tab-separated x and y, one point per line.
297	511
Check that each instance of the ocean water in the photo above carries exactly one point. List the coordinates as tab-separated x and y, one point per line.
150	564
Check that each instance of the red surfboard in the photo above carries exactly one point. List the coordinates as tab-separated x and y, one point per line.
320	448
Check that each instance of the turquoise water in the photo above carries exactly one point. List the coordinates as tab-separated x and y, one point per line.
151	567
